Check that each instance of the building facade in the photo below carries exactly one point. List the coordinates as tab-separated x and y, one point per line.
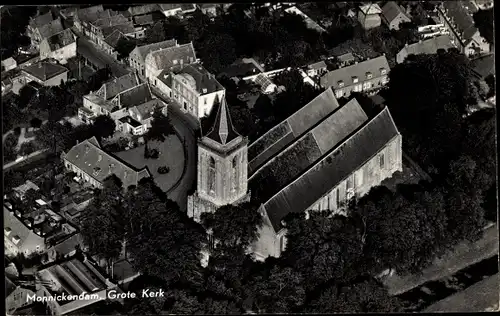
369	16
368	76
137	57
61	46
393	15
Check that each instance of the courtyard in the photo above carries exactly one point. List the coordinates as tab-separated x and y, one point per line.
171	155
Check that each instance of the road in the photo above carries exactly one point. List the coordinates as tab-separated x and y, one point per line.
97	57
186	126
463	255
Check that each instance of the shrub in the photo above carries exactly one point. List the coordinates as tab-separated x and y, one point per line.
163	169
17	131
154	154
119	145
27	148
36	122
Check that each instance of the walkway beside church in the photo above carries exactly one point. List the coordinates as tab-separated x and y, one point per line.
464	255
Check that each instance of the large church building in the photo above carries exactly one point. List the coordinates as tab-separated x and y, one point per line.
319	158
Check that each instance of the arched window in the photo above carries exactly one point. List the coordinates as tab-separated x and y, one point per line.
211	175
235	180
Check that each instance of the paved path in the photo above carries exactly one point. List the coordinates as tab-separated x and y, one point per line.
97	57
31	157
482	296
464	255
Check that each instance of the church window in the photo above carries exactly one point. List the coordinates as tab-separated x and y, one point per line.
382	161
234	182
337	198
282	243
211	175
349	183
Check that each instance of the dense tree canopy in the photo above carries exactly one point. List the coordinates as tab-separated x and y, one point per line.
483	20
161	126
104	126
15	19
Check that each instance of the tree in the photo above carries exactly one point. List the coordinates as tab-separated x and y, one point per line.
483	20
103	127
36	122
218	50
124	47
27	148
55	136
26	93
234	225
9	147
161	126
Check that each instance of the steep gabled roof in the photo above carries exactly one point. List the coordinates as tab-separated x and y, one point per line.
333	168
462	18
280	136
392	10
135	96
118	85
126	28
283	167
51	28
164	58
98	164
90	14
146	49
113	38
371	8
199	79
61	39
223	130
143	9
41	20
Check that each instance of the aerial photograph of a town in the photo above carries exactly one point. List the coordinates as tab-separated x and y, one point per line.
249	158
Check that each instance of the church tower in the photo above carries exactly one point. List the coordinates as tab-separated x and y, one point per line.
222	167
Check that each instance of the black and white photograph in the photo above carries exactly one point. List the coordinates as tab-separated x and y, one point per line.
249	158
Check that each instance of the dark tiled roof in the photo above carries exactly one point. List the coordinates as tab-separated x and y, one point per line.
223	130
137	95
110	21
51	28
90	14
143	9
200	79
290	129
146	49
392	10
306	150
346	74
164	58
113	38
131	121
147	19
44	70
41	20
484	65
98	164
118	85
461	16
61	39
146	109
9	287
18	229
125	28
328	173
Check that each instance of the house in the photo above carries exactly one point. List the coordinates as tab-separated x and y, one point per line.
72	278
193	87
428	46
20	191
139	117
16	296
137	57
110	43
38	22
344	154
48	30
166	58
171	9
457	17
266	85
369	16
85	16
8	64
316	69
60	46
393	15
65	249
104	27
46	73
311	24
104	100
31	231
367	76
94	165
145	9
345	59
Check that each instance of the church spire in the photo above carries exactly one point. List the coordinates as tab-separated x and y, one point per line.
223	130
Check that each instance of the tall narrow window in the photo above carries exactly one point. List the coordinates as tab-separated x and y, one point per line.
337	203
349	183
235	180
382	161
211	175
282	243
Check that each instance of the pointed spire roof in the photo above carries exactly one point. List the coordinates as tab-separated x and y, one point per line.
222	130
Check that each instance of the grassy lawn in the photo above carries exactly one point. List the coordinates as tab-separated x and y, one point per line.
171	155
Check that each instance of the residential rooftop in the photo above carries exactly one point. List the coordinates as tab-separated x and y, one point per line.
45	70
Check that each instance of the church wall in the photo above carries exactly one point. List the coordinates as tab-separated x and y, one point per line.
267	243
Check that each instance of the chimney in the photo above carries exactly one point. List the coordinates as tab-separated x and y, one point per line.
99	158
87	148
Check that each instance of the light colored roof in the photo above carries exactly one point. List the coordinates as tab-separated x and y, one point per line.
118	85
280	136
146	49
392	10
9	62
263	81
306	150
143	9
332	168
61	39
44	70
174	6
98	164
199	79
19	230
318	65
25	187
372	8
359	70
347	57
164	58
428	46
51	28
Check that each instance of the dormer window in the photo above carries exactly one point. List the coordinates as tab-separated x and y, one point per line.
354	79
99	158
369	75
340	83
175	61
7	231
383	71
16	239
